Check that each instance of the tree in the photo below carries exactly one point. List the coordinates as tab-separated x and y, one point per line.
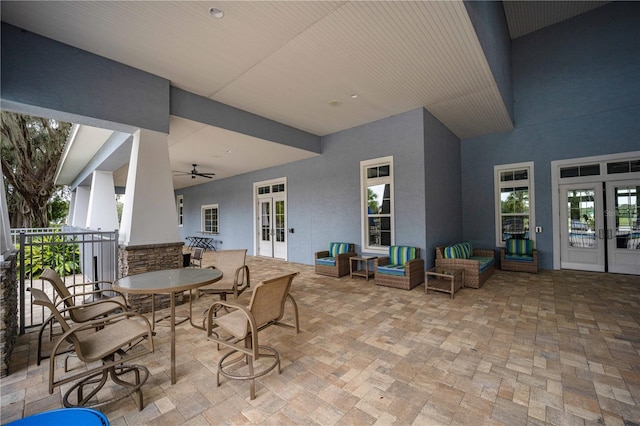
31	148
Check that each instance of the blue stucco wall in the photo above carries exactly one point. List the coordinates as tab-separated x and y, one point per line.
42	76
490	24
443	197
576	94
323	193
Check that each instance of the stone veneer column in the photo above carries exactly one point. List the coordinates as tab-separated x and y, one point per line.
147	258
8	310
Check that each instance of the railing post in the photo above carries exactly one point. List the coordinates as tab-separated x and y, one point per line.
23	238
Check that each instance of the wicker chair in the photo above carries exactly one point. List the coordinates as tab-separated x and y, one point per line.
335	261
474	277
403	268
519	256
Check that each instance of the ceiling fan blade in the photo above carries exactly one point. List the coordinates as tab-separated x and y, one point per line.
206	175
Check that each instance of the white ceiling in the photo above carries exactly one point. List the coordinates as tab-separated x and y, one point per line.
296	62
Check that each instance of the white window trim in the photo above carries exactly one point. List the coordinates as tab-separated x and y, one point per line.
364	183
180	212
207	207
497	185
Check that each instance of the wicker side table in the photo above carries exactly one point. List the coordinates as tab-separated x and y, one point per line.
446	280
360	266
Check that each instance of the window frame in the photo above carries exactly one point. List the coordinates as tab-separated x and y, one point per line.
215	228
365	183
180	210
498	185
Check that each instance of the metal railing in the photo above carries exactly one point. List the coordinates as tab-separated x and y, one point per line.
78	255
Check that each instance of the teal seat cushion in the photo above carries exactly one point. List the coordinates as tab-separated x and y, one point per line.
518	257
483	262
338	248
400	255
392	269
327	261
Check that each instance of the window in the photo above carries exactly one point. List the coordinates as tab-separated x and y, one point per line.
377	204
210	219
180	208
514	202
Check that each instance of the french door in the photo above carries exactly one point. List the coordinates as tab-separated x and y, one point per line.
272	227
600	229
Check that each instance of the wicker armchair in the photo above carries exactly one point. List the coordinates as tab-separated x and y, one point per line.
403	268
478	267
335	261
519	256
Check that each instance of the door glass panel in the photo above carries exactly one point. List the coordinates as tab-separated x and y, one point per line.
627	211
265	222
581	218
280	230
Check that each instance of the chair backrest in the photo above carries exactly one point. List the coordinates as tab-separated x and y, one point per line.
228	262
268	299
40	298
58	285
400	255
519	246
197	253
338	248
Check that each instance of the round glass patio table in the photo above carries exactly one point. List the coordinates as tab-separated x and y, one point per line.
168	281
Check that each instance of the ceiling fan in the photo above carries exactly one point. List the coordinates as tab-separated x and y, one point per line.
194	172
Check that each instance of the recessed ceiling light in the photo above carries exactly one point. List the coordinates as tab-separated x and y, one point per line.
216	13
335	103
354	96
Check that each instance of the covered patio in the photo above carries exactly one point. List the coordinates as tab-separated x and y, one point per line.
557	347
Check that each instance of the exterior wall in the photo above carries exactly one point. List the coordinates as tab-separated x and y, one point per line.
128	96
576	94
443	201
490	24
324	192
8	311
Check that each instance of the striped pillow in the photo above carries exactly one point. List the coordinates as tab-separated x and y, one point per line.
337	248
399	255
462	250
516	246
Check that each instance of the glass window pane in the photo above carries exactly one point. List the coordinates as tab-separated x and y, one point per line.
375	195
514	200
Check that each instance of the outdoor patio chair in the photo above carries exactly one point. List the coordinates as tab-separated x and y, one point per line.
402	268
335	261
265	309
235	274
196	258
519	255
105	345
72	304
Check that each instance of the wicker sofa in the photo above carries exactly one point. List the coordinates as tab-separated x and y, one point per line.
402	268
478	264
519	256
335	261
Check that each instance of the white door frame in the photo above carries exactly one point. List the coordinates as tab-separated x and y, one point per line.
556	181
256	212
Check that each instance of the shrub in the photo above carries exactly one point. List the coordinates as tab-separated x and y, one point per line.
51	251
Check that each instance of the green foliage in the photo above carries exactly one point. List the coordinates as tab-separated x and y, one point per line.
53	252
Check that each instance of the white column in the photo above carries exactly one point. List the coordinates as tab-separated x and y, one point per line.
149	213
81	207
72	206
103	212
5	228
